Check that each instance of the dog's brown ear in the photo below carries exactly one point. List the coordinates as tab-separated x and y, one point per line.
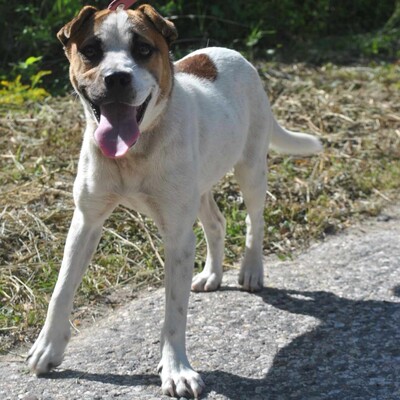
165	27
65	33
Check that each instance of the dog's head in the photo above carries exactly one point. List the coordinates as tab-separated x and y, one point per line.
121	69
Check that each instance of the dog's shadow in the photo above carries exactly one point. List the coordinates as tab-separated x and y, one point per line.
354	352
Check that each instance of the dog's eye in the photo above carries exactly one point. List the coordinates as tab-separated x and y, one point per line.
91	52
144	50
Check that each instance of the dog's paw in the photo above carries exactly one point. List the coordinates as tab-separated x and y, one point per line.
251	278
206	282
48	350
180	381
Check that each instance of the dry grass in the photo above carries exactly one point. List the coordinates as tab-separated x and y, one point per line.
356	111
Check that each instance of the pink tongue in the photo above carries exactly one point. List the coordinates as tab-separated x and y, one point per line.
118	129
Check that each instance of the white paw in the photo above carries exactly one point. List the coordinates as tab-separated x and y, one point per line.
252	277
206	282
180	381
48	350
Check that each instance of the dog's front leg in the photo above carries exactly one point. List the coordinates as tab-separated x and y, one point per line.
178	378
83	237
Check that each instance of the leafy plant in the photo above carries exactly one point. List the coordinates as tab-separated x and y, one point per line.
16	92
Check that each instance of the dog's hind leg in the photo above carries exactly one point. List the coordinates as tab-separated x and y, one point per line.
214	228
252	180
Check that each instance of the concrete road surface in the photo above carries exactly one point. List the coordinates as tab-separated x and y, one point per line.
327	326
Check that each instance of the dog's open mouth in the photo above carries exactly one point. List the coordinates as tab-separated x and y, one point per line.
95	110
118	128
140	110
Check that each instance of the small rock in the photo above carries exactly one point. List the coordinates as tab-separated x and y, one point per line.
383	218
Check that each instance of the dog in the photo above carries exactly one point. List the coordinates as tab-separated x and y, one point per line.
158	136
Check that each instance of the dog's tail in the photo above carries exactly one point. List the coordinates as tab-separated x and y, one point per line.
296	143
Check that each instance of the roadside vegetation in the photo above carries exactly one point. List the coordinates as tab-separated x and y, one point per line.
354	109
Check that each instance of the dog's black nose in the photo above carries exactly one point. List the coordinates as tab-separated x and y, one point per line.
118	80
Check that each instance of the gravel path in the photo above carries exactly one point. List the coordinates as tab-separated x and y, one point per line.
326	327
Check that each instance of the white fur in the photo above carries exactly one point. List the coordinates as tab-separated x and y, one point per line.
205	129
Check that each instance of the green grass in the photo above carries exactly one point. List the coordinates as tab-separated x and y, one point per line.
355	110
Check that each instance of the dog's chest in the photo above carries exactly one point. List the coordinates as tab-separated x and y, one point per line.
136	182
130	176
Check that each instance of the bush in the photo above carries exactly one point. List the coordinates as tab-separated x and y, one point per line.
29	28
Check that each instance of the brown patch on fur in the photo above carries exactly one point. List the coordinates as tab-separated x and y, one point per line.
199	65
160	33
165	27
81	27
73	35
65	33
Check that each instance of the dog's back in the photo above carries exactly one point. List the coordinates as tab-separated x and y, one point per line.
225	105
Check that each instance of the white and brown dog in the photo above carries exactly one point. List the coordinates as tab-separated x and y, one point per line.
159	135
